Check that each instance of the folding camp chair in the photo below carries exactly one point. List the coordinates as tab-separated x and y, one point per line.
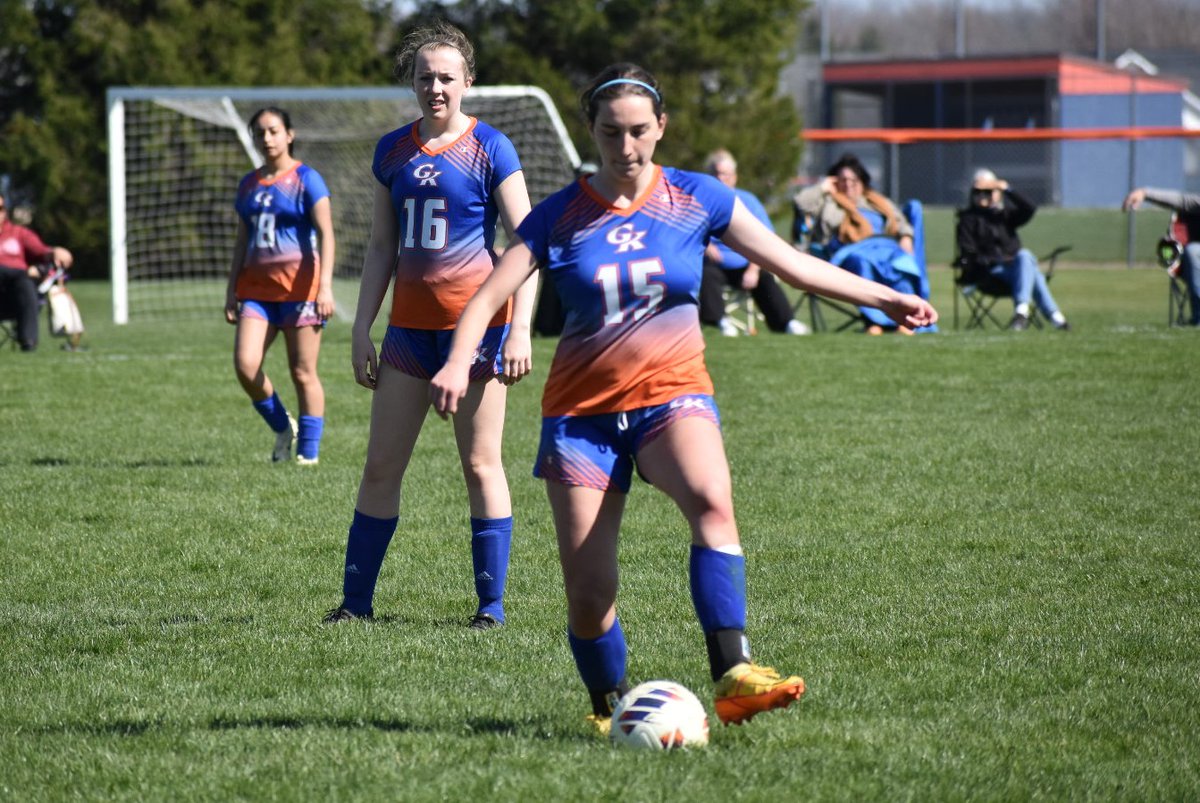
844	315
847	316
8	333
981	294
1170	257
741	311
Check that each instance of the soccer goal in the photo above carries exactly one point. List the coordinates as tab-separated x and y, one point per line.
176	156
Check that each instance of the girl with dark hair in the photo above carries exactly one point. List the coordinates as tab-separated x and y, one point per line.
282	280
628	385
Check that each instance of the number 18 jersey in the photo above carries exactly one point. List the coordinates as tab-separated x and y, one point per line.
281	262
446	215
629	280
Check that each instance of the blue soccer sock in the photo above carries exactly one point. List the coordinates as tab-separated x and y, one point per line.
273	412
601	665
366	545
308	440
718	583
491	541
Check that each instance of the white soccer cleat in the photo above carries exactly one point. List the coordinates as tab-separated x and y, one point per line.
284	441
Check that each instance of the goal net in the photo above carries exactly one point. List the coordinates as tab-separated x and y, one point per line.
176	156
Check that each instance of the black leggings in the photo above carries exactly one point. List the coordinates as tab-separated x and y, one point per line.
766	294
18	299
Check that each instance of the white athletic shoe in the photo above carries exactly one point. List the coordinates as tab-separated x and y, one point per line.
728	329
796	327
283	442
301	460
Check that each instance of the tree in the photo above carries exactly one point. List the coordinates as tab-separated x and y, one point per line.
718	62
58	58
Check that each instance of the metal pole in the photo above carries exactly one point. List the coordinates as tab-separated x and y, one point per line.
1131	233
960	32
1100	31
894	170
824	25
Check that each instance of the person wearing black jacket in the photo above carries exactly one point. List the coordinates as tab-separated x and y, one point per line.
989	246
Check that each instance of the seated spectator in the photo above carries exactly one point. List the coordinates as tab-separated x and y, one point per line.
843	210
22	253
724	267
989	246
1187	207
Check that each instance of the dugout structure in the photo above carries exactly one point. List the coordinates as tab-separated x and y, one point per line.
1066	130
176	156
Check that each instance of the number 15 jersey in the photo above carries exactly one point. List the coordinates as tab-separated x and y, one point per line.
446	215
629	280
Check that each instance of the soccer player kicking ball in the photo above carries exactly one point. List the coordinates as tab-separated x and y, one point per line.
628	383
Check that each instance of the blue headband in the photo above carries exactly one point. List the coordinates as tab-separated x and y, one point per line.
633	81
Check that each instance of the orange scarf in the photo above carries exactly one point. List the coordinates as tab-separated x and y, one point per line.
855	227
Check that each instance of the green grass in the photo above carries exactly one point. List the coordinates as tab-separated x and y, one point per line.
980	549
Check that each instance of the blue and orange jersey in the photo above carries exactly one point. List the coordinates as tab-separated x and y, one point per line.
282	261
446	212
629	280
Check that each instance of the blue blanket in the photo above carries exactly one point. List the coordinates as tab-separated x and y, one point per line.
881	259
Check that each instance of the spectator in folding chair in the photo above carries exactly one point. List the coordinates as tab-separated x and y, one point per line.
989	247
22	253
862	231
724	267
1186	207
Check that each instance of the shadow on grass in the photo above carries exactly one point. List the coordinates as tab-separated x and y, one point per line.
153	462
134	728
296	723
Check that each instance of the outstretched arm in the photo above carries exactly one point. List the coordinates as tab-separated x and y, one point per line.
757	243
450	383
1169	199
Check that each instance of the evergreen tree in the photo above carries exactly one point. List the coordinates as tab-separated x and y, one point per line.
58	58
718	62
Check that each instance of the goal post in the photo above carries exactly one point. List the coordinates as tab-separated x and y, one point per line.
176	155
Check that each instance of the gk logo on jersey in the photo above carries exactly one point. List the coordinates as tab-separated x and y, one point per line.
263	198
625	238
428	174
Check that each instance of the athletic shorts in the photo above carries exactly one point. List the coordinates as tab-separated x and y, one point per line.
423	352
599	451
282	314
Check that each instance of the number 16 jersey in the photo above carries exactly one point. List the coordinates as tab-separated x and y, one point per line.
629	280
446	213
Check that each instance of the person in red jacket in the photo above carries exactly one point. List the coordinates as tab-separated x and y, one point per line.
22	255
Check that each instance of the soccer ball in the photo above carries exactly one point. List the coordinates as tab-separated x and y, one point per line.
659	715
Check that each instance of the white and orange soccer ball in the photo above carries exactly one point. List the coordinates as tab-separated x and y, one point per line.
659	715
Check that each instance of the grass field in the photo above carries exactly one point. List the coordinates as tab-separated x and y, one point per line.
981	551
